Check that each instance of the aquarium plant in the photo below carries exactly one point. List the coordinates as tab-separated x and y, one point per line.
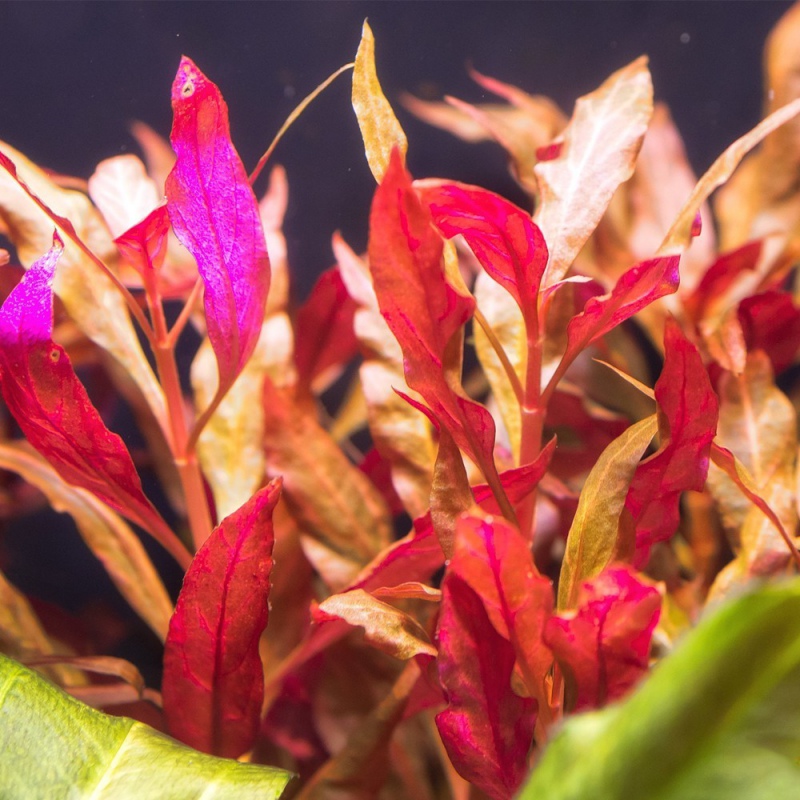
506	508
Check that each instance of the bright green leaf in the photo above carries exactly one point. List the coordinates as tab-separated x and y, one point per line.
719	719
55	747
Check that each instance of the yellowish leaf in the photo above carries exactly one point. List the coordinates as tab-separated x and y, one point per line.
380	129
385	627
593	537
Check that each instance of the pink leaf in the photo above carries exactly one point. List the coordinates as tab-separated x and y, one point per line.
486	728
54	411
771	322
503	237
213	679
603	646
689	411
215	215
144	246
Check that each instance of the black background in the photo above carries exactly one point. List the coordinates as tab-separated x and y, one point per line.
74	74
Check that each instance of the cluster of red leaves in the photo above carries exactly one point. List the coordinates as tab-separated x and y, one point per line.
457	633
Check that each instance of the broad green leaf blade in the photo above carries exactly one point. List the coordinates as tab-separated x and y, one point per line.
55	747
379	126
719	719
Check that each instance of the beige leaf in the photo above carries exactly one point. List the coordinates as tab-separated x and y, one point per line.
599	150
401	433
380	129
758	424
88	295
385	627
106	534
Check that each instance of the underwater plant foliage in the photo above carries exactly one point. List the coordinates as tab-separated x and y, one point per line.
508	507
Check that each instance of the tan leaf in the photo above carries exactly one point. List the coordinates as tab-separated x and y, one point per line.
21	632
401	434
385	627
106	534
599	150
758	424
335	503
88	295
592	540
380	129
505	319
679	236
230	447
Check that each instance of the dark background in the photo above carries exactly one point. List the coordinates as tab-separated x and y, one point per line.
74	74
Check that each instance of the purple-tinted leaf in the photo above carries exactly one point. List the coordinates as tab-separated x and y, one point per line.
213	678
486	728
215	215
54	411
503	237
603	646
688	416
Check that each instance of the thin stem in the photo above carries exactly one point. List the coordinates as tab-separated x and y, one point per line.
186	313
508	367
292	117
177	435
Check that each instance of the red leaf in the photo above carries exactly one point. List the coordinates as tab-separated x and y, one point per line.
689	411
719	277
325	336
144	246
503	237
54	411
495	560
215	215
486	728
415	557
635	290
771	322
213	679
423	311
603	647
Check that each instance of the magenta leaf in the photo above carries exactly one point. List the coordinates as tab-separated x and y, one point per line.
503	237
215	215
54	411
213	679
636	289
486	728
688	415
424	312
603	646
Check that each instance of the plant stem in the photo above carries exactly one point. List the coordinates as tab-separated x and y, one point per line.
177	435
